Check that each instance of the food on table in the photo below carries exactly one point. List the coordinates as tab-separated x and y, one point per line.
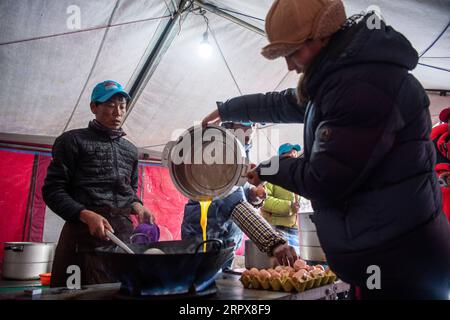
300	277
299	264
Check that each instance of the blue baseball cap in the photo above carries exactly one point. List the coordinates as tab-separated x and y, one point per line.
103	91
287	147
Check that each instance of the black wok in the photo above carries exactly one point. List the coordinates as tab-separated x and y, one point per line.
184	268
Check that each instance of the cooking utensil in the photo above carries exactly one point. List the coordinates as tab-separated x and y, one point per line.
254	258
206	163
26	260
118	242
182	269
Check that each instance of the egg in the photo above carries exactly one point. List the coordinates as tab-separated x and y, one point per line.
154	251
276	275
301	273
254	272
264	274
319	266
279	268
300	264
309	268
246	273
288	268
317	273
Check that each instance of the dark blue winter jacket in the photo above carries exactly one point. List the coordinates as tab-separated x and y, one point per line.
368	160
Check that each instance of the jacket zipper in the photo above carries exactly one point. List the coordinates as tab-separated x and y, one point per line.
116	173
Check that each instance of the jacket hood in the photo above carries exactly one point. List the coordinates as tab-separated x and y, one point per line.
362	43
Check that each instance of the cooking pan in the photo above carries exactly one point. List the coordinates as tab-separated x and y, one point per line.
184	268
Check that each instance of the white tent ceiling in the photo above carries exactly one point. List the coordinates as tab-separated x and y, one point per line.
48	71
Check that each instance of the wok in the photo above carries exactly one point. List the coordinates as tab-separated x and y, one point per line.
184	268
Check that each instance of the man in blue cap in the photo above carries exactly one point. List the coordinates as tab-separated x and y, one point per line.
91	183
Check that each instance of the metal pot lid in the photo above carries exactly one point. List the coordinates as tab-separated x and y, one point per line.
206	163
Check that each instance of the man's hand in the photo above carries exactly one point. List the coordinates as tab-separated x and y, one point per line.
295	206
285	254
258	192
145	216
213	118
253	177
96	223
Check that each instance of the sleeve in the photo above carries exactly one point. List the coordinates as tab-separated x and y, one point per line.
56	189
256	227
276	206
135	181
272	107
358	130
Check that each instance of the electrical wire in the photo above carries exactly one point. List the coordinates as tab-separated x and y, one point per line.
433	67
435	40
240	13
225	61
168	9
84	30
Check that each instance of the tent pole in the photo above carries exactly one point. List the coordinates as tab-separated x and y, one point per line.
213	9
161	46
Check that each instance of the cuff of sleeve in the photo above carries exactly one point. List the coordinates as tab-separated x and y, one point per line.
75	213
222	112
257	202
276	242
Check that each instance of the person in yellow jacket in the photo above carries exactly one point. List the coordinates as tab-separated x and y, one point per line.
281	206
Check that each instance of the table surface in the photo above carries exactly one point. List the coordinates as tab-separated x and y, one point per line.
228	288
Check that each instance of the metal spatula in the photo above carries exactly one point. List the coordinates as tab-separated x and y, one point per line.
119	242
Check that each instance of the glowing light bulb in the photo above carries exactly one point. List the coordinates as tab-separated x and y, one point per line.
205	49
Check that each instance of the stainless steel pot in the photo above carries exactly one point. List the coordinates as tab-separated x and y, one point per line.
254	258
206	163
310	248
26	260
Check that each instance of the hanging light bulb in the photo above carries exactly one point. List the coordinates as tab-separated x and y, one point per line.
205	49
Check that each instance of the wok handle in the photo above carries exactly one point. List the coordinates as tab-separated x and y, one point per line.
15	248
139	234
209	240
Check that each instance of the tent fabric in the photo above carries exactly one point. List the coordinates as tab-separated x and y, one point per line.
47	78
15	170
162	198
39	207
22	208
48	70
185	87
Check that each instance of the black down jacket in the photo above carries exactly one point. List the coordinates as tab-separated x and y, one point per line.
88	170
368	160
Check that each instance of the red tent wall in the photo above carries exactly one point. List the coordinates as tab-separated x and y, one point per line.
161	198
22	210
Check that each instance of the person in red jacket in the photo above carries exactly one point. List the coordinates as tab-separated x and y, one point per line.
441	139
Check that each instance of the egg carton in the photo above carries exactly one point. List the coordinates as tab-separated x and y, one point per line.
286	284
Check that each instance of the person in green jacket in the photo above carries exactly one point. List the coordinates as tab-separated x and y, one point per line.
281	206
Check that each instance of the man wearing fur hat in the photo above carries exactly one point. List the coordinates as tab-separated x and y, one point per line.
368	159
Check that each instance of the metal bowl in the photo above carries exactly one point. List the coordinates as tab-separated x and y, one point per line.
206	163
